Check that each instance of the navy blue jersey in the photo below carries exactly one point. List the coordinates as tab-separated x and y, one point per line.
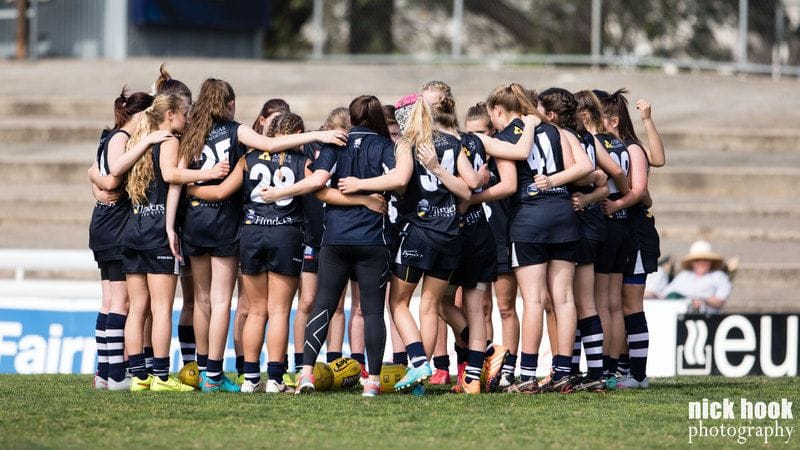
540	216
619	153
476	236
428	205
262	170
367	155
215	224
593	225
497	213
146	228
313	209
108	219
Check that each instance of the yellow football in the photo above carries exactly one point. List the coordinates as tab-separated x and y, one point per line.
390	375
190	374
323	376
346	372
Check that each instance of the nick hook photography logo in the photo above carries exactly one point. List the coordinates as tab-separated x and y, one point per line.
741	421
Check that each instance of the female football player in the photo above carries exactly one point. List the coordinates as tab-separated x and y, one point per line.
544	232
107	225
645	240
211	228
150	258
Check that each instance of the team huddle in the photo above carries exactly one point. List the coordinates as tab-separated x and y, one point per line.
545	193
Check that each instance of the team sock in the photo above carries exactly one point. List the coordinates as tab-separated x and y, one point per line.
359	357
202	362
624	365
161	368
561	366
461	354
333	356
576	353
214	369
148	359
252	372
610	365
115	346
441	362
400	358
527	366
489	349
298	361
137	366
240	365
474	366
285	362
275	371
187	341
592	337
510	365
102	351
416	353
638	344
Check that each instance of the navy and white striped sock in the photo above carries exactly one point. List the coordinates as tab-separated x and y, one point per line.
592	338
561	366
474	366
275	371
188	344
252	372
161	368
624	366
298	361
416	353
202	362
137	366
115	346
240	365
102	351
527	366
510	365
638	344
148	359
214	369
576	354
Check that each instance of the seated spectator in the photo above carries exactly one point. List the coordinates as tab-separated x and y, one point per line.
658	280
701	280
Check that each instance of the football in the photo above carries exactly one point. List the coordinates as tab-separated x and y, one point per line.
346	372
390	375
323	376
190	374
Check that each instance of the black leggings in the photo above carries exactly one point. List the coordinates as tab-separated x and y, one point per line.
371	263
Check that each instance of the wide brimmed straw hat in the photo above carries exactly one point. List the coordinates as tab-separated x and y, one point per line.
702	250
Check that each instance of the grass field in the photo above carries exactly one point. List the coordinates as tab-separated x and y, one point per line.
63	411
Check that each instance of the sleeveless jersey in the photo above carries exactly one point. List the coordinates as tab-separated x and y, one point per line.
215	224
619	153
541	216
265	170
593	224
146	229
497	212
428	205
366	155
313	209
108	219
476	236
642	221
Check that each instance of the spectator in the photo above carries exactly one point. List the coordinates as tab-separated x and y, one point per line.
701	280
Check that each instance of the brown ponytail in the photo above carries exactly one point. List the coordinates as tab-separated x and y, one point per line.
563	104
616	105
514	99
589	109
212	106
125	106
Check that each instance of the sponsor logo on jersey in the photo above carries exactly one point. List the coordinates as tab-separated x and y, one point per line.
517	130
150	209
